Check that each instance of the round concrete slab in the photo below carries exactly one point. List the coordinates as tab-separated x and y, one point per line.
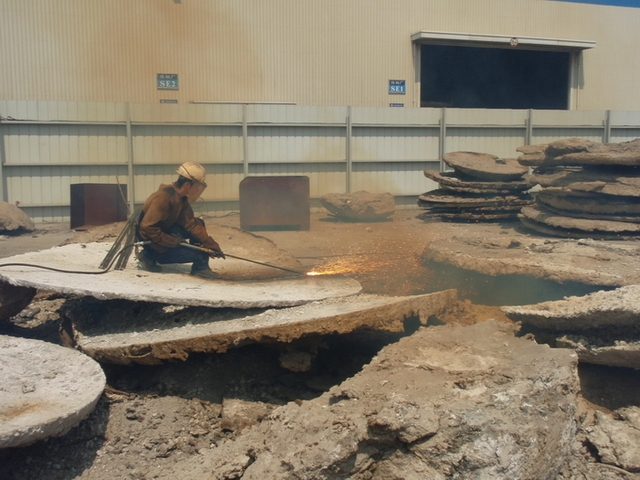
596	180
579	151
173	286
589	202
449	181
46	390
442	198
485	166
539	215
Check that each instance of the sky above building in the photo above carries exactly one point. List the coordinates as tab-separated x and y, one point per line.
617	3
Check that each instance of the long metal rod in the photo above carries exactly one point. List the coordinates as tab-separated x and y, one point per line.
206	250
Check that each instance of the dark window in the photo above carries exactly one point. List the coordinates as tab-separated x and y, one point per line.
474	77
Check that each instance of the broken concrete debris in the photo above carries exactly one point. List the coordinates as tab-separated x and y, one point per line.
120	333
447	401
601	349
359	206
14	220
402	431
482	187
589	189
532	155
237	414
46	390
602	327
616	438
14	299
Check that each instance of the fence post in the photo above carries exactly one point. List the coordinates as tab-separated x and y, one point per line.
443	137
606	137
529	131
245	141
348	153
3	192
131	189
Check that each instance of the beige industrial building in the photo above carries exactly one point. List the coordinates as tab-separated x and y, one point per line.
121	92
323	53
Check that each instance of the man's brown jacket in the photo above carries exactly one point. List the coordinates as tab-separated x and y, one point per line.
165	208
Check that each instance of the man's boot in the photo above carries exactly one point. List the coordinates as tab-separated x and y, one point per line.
206	273
147	263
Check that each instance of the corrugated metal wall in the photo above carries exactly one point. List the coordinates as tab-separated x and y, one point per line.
47	146
329	52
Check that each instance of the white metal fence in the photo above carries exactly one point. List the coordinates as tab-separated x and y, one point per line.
47	146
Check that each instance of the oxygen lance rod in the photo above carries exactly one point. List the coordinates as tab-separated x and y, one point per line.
206	250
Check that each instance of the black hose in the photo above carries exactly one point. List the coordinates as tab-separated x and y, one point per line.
115	257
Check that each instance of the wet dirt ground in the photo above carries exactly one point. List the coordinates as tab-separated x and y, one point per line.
152	416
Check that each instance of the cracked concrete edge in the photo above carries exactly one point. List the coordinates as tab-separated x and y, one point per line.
389	317
619	307
259	297
497	266
621	354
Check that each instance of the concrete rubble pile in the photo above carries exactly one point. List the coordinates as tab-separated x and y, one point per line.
588	189
481	188
446	402
360	206
602	327
13	220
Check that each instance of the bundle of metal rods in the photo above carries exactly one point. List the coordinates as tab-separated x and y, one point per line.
123	244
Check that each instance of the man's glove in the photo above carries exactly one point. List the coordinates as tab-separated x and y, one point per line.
211	244
217	254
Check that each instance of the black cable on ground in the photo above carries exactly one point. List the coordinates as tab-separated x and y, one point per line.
53	269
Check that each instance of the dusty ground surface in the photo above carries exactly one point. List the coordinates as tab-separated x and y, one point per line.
152	417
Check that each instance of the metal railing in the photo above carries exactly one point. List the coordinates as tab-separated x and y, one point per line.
47	146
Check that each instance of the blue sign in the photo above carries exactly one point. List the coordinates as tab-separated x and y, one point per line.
167	81
397	87
396	104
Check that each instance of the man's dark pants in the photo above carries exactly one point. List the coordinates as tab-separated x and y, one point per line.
199	259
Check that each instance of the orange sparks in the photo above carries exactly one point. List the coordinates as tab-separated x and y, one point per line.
350	266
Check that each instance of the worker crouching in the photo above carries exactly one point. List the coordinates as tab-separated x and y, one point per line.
167	219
